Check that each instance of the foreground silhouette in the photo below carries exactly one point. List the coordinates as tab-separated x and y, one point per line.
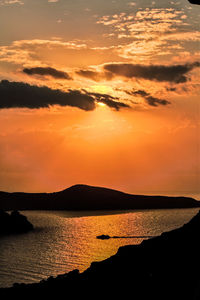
13	223
195	2
164	267
84	197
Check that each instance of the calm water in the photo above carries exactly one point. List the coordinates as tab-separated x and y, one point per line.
63	241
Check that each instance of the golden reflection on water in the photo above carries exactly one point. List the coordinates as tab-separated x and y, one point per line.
88	228
74	242
64	241
84	230
86	248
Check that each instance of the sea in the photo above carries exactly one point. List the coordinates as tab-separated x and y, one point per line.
66	240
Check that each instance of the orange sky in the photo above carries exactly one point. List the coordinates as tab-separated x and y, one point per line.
126	115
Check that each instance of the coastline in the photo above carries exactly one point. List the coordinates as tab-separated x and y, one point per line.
166	265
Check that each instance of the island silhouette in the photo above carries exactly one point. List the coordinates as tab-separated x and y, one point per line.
85	197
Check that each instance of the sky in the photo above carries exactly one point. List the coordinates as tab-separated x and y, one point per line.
104	93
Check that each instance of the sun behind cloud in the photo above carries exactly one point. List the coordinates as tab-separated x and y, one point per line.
108	96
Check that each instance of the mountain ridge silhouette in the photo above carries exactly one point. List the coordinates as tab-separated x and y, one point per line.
86	197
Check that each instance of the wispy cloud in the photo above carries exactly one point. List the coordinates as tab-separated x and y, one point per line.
31	53
28	51
151	32
145	22
10	2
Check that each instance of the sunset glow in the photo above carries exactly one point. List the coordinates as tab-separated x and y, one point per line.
104	93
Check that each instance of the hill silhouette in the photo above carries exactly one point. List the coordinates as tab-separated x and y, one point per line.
84	197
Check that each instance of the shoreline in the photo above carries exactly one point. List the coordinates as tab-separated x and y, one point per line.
167	263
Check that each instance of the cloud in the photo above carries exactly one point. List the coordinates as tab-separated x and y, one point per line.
10	2
171	89
19	94
38	52
23	95
47	72
151	100
132	4
30	52
94	75
89	74
147	22
151	31
173	73
109	101
188	36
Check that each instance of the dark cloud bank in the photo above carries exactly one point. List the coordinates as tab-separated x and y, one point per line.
47	72
23	95
151	100
174	73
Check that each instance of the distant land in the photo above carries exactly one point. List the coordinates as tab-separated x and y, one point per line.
84	197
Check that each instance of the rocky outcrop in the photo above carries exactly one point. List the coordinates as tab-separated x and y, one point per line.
103	237
164	267
194	2
13	223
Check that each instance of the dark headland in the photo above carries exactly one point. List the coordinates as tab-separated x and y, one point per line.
195	2
164	267
13	223
84	197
